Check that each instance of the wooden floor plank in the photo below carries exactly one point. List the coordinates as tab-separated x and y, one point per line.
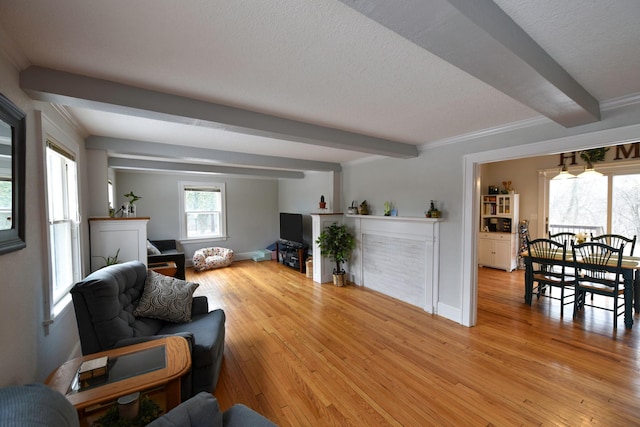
302	353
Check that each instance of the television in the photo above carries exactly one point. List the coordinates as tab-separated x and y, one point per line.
291	227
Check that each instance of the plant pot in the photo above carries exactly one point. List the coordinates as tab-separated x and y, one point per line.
339	279
323	205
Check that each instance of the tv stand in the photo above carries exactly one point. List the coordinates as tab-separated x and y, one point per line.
292	254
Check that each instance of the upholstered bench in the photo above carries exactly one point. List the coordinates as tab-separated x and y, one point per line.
209	258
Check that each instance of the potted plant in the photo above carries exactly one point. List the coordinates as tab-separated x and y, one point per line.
130	207
336	242
109	260
323	204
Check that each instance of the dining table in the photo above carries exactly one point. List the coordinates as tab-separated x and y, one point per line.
630	274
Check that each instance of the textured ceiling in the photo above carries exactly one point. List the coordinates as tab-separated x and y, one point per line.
313	61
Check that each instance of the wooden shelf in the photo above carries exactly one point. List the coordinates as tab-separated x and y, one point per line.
396	218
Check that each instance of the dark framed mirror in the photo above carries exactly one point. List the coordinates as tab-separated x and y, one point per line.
12	176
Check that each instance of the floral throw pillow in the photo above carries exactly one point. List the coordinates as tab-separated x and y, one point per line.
166	298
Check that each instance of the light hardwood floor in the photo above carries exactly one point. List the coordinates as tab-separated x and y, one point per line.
305	354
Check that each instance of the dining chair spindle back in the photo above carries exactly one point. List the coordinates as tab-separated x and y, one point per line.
565	236
616	240
600	272
544	255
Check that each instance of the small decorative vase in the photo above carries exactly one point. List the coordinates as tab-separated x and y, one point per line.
132	210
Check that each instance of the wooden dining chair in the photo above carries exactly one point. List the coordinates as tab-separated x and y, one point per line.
616	240
565	236
549	259
568	238
600	268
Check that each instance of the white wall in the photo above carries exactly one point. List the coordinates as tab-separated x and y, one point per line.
303	196
98	182
30	352
410	185
252	207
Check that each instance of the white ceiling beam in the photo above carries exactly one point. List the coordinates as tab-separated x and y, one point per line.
176	152
160	166
75	90
481	39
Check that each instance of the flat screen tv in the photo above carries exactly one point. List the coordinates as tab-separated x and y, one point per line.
291	227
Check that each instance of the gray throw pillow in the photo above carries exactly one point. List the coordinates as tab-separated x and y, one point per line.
166	298
152	250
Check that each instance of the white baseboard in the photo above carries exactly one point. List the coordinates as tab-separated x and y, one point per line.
449	312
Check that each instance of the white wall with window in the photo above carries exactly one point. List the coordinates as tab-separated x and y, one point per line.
605	204
610	204
250	213
202	211
63	216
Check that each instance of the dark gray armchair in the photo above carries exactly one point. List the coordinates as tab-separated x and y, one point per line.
104	303
36	405
168	253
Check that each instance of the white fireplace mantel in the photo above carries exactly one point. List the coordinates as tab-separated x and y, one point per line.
398	256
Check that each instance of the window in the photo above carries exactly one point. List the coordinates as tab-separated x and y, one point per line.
578	205
625	205
110	194
606	204
5	203
63	217
203	211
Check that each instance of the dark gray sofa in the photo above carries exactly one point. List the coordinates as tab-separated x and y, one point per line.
168	253
104	303
36	405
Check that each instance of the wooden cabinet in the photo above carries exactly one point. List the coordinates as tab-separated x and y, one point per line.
110	235
499	213
498	239
498	250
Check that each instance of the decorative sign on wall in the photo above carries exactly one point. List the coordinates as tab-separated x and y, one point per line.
622	152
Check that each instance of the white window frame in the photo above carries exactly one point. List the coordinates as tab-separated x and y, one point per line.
183	186
51	132
607	169
110	194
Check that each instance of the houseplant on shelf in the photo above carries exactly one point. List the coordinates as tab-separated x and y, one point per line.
130	207
336	242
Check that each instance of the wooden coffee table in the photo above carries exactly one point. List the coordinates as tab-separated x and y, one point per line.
167	268
145	372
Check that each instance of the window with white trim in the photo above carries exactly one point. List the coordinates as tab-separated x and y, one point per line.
64	223
202	211
600	205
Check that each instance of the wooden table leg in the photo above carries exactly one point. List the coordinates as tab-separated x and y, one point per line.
528	282
173	394
636	291
628	297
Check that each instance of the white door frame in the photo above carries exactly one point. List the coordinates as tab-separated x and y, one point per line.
471	195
